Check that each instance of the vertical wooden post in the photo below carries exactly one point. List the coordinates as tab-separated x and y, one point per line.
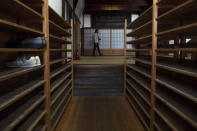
45	12
72	54
125	57
154	57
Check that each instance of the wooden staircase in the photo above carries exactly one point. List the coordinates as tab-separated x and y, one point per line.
98	80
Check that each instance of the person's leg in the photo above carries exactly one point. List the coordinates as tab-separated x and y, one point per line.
94	49
99	50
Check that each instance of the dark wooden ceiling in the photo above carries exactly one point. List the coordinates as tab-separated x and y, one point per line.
133	6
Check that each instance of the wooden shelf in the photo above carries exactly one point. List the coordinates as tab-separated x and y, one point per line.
58	92
40	127
52	62
56	18
59	70
60	103
142	30
143	18
140	70
17	116
20	50
11	73
58	39
186	30
18	93
33	120
141	40
176	49
59	81
60	50
137	112
60	114
58	29
139	104
140	92
182	11
13	27
136	50
19	10
143	61
189	71
179	87
141	81
177	107
165	117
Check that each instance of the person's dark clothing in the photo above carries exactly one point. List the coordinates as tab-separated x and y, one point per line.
96	45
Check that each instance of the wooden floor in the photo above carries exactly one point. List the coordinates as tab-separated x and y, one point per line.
102	60
108	113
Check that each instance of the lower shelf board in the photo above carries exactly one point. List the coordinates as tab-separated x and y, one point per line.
33	120
58	116
18	115
140	70
138	114
179	87
40	127
59	70
59	91
59	81
18	93
14	72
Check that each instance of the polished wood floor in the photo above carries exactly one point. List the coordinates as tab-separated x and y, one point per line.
111	113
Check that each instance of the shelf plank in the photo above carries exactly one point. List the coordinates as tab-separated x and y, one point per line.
10	26
186	30
40	127
18	93
178	108
61	112
11	73
20	50
32	121
17	6
143	61
140	93
137	112
59	39
60	103
139	104
59	81
138	50
58	29
143	18
140	70
189	71
55	61
166	119
176	49
144	83
180	12
59	91
17	116
60	50
142	30
59	70
178	87
56	18
141	40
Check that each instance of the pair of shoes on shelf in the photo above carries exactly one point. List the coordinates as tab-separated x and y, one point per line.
30	43
25	61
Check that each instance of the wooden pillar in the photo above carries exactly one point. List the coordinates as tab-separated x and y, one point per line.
154	58
125	57
72	55
45	12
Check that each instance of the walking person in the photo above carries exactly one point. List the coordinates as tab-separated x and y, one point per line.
96	42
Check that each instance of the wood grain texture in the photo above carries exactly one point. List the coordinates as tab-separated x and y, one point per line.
99	114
